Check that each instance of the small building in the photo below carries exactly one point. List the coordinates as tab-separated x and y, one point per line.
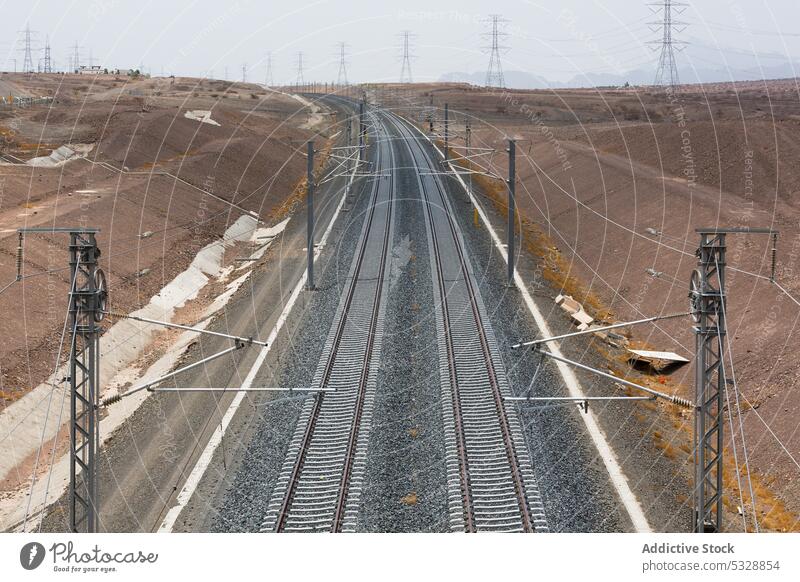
90	70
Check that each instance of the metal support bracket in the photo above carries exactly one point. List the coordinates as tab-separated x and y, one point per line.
655	393
147	385
245	340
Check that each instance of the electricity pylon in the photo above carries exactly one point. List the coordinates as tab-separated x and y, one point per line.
494	72
667	70
27	59
405	70
300	80
268	82
342	77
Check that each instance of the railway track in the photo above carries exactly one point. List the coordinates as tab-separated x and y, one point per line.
490	479
319	486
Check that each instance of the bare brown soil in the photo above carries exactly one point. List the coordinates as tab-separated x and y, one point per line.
151	224
600	171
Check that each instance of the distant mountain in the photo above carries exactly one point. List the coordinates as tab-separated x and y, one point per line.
735	65
514	79
688	75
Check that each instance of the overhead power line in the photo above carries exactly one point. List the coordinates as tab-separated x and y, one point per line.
728	27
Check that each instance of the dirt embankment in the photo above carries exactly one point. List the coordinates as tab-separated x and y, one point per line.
611	187
159	185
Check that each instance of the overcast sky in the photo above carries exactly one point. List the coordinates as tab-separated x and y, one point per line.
554	39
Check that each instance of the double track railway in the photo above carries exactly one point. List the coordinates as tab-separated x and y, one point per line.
490	480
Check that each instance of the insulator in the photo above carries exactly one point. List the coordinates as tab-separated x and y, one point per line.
682	402
19	258
111	400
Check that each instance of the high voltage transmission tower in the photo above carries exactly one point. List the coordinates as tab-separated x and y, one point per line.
405	70
48	62
300	79
667	71
342	77
27	59
76	57
494	72
268	82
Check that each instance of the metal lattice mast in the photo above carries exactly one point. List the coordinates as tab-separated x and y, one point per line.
84	379
708	306
48	63
88	303
300	80
244	73
494	72
76	58
667	69
342	77
405	69
708	290
268	82
27	50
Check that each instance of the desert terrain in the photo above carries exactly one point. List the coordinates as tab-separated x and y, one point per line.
612	184
183	177
159	185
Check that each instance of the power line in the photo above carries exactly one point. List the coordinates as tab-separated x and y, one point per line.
667	70
494	72
49	403
748	31
615	31
732	381
405	69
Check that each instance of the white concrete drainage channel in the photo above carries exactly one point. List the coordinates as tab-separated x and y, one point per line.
201	115
41	412
60	156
